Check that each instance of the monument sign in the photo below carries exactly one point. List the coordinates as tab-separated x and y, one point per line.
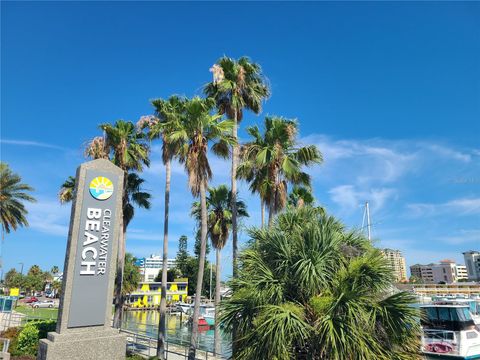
84	324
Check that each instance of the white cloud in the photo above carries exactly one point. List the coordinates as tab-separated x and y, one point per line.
30	143
349	198
461	206
463	236
49	217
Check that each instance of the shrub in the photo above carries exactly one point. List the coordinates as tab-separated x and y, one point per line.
12	334
28	340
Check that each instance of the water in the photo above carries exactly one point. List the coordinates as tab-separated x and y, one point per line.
146	323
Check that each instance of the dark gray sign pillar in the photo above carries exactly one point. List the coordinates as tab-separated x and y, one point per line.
84	329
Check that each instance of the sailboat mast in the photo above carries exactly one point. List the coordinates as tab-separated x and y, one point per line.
367	209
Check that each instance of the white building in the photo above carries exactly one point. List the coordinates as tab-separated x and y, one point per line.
397	261
447	271
472	262
151	266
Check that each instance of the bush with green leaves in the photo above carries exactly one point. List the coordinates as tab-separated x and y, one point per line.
28	340
310	289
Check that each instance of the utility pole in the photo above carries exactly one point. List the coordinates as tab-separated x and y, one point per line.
21	269
368	221
210	292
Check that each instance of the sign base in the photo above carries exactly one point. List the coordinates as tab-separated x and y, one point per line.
93	344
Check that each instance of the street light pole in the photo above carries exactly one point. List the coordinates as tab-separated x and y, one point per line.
21	269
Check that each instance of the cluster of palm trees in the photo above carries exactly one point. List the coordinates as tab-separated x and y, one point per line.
189	130
304	287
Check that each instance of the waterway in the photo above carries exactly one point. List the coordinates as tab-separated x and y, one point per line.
178	332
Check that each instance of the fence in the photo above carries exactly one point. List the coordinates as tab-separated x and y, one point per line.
147	345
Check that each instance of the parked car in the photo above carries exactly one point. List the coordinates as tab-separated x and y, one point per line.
43	304
31	299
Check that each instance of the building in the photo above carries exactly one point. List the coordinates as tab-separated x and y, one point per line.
397	261
447	271
462	273
458	289
148	294
151	266
472	262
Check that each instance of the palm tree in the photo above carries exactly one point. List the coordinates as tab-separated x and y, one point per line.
277	152
55	270
168	114
257	177
310	289
126	148
219	224
301	196
196	130
67	190
13	194
237	85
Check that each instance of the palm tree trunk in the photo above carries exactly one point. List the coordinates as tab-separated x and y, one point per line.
235	150
217	304
203	245
117	316
162	325
262	207
270	217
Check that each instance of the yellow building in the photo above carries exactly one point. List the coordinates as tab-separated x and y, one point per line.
148	294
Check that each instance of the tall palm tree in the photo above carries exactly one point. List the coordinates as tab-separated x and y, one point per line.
168	114
237	85
196	131
219	223
301	196
310	289
13	194
278	153
126	148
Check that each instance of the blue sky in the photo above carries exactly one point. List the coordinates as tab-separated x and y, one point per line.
390	92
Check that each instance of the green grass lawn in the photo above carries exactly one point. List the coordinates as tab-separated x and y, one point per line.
43	313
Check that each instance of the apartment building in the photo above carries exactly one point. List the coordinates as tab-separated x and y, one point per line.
472	262
397	261
447	271
151	266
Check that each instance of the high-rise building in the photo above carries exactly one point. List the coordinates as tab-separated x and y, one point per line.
151	266
447	271
397	261
472	262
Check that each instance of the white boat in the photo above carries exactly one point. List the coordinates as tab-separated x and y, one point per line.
449	332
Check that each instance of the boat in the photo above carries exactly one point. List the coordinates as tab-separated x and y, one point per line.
449	332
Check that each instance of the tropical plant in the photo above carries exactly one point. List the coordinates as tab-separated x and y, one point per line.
67	190
55	270
196	131
219	224
301	196
310	289
13	194
126	148
236	85
168	114
278	153
131	275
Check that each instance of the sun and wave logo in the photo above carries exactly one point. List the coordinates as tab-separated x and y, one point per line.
101	188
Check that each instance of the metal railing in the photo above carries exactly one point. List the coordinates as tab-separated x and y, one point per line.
5	344
147	345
